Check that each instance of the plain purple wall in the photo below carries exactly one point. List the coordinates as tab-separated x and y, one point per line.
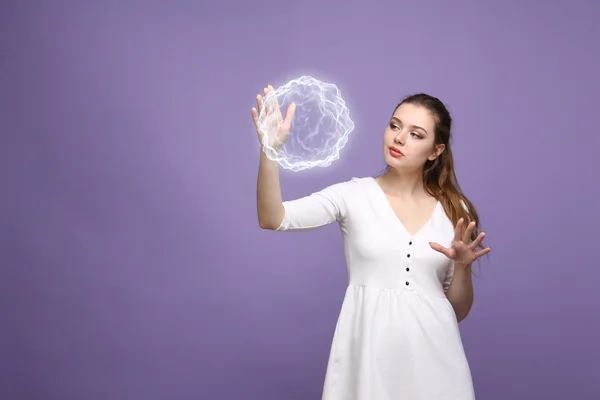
132	263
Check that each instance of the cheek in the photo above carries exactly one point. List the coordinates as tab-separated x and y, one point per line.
388	135
420	151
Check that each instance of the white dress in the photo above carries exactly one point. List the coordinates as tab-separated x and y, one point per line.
397	336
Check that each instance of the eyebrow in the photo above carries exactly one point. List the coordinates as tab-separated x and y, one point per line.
412	126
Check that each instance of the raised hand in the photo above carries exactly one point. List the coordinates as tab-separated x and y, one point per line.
462	249
272	124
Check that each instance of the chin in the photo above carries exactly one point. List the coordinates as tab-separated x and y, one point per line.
392	160
397	163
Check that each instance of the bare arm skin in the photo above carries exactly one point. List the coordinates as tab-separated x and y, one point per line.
269	201
268	194
460	293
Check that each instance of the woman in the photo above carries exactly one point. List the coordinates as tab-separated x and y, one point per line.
410	239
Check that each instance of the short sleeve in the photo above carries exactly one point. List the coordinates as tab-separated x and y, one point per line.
315	210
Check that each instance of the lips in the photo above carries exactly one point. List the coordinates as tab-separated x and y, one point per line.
394	152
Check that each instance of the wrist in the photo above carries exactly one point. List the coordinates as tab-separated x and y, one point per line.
269	152
462	266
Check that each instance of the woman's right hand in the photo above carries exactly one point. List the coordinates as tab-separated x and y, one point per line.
272	123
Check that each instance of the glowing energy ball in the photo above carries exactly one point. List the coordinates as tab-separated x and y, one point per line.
320	127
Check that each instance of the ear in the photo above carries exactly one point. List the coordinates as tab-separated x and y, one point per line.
439	149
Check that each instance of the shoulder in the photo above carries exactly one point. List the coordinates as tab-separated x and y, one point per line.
350	186
342	193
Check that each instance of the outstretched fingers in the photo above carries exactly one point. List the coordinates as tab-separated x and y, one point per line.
275	100
468	232
255	117
266	103
458	231
475	243
448	252
482	252
289	116
259	103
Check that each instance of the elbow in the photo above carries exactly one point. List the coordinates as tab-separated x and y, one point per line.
462	314
271	222
461	317
267	225
461	311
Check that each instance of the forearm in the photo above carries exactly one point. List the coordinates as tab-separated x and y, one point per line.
460	293
268	193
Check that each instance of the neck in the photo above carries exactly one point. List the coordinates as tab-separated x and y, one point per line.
403	184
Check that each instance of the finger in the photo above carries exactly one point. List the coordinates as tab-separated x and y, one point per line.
459	229
468	232
477	241
259	103
441	249
289	116
255	117
266	100
275	100
483	252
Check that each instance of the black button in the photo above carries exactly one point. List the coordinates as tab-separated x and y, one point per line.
410	242
406	283
408	255
408	269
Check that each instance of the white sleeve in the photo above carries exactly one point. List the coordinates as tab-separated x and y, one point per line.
315	210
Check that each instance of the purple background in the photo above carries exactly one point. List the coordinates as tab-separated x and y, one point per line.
133	266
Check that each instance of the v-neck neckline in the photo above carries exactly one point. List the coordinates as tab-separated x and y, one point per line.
397	220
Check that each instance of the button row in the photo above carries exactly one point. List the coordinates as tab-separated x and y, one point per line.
408	268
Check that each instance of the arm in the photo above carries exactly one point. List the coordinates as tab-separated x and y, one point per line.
459	286
309	212
318	209
268	194
459	291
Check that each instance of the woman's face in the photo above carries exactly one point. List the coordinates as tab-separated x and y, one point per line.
408	141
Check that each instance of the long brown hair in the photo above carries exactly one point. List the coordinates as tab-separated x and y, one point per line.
439	177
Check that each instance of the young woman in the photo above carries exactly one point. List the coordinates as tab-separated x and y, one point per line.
410	239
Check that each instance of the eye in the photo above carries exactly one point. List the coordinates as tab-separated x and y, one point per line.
394	126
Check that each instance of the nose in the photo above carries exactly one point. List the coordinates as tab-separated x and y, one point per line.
399	138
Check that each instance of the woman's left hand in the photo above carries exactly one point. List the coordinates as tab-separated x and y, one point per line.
462	249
